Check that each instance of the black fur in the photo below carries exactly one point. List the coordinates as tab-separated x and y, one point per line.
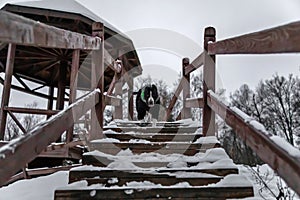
142	104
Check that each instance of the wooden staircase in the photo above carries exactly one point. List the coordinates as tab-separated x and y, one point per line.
138	161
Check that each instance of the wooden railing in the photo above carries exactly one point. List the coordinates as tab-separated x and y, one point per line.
282	39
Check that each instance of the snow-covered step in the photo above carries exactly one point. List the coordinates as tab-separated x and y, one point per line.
114	146
121	177
153	137
232	186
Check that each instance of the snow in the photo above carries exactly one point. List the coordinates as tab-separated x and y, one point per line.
106	140
211	93
37	188
207	140
286	146
233	180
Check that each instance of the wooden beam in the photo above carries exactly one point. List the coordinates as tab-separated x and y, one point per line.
23	31
17	153
31	111
194	103
209	81
6	87
185	112
279	159
281	39
198	62
130	98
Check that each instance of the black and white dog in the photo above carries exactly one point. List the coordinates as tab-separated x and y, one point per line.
147	101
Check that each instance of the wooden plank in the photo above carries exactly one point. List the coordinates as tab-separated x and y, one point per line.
209	83
23	31
17	153
281	39
31	111
178	193
165	179
6	87
279	160
197	63
174	99
194	103
75	175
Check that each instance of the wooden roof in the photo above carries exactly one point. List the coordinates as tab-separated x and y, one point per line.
42	65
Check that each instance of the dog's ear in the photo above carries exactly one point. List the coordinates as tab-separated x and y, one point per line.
154	88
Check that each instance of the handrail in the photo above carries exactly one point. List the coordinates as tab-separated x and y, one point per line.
197	62
255	136
281	39
20	30
22	150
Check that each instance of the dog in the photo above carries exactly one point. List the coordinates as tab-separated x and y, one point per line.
147	102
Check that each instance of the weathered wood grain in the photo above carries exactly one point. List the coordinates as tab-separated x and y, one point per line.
23	31
197	63
281	39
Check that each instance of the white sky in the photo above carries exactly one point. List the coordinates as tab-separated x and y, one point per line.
165	31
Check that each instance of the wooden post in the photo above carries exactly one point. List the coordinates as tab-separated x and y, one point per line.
209	69
98	82
6	87
61	85
50	100
73	86
130	98
186	112
119	93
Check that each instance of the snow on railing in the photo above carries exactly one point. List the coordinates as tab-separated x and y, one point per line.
279	154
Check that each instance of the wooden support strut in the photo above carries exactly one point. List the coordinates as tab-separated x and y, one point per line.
208	83
6	87
98	82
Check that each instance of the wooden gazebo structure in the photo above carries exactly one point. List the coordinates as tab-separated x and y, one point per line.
51	67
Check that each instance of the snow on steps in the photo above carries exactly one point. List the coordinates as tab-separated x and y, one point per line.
140	167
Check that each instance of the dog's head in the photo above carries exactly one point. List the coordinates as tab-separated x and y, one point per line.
149	95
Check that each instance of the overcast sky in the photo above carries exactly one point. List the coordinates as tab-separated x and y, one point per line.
165	31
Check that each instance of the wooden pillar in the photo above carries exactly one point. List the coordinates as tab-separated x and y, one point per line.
209	74
130	98
186	112
50	100
98	82
6	87
119	93
73	86
61	85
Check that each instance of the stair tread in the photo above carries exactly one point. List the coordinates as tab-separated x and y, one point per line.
159	192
